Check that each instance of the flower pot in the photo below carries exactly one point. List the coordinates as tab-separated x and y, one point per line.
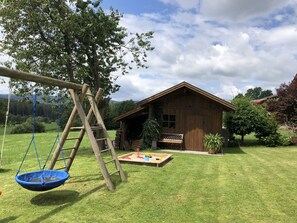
211	151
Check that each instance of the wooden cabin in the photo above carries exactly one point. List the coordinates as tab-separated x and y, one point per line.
185	109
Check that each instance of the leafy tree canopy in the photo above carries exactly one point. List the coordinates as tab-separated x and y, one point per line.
242	121
249	118
116	109
73	40
286	104
255	93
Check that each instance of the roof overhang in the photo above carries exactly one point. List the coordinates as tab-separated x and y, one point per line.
130	114
225	104
142	105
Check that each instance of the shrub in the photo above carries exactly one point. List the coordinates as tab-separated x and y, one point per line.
266	123
26	127
17	119
272	140
286	141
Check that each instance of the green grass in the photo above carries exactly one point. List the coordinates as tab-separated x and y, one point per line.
247	184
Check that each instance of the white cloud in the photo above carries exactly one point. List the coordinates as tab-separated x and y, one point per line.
228	91
239	9
219	47
222	58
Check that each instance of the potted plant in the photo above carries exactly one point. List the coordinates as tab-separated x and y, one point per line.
213	142
150	132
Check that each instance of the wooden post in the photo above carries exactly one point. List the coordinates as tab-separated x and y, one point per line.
98	117
151	111
92	139
82	131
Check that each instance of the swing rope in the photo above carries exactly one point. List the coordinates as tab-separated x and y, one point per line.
5	125
42	180
57	139
32	138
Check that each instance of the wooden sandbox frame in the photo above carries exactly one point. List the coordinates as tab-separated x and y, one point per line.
157	159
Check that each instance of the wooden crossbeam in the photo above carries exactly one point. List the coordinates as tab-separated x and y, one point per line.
20	75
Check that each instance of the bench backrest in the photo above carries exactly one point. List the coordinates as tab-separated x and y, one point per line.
171	136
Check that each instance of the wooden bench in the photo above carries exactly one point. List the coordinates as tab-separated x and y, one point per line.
172	138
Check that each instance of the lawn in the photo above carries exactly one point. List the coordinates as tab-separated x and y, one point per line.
247	184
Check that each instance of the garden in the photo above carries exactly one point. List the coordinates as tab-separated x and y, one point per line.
251	183
253	180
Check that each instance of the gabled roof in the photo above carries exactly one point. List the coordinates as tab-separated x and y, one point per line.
142	104
197	90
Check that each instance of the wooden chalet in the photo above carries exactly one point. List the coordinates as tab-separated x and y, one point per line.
185	110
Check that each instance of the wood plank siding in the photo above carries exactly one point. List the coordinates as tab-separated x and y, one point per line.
186	110
195	116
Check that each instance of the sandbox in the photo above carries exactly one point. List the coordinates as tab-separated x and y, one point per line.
155	159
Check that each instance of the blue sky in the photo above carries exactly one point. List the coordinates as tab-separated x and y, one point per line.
137	7
223	47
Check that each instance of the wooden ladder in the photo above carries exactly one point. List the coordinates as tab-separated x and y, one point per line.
93	116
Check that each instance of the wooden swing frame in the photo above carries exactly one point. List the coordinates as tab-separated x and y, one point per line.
85	92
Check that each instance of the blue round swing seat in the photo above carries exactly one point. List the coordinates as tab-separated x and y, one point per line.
42	180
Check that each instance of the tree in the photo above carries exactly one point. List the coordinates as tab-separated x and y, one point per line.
2	112
249	118
242	120
255	93
73	40
286	104
266	123
116	109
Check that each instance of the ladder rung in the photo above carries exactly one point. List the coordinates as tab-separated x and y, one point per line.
76	128
101	139
95	127
68	148
73	138
114	172
65	158
109	161
104	150
90	95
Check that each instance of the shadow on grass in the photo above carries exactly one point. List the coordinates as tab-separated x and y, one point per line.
86	178
9	219
4	171
55	198
251	143
61	208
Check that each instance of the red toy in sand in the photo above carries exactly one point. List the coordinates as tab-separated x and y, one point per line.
138	156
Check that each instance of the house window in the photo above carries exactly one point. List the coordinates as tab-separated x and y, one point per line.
169	121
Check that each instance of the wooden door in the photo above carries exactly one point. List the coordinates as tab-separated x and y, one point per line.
193	131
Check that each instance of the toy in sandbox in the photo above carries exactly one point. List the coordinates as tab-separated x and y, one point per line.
153	159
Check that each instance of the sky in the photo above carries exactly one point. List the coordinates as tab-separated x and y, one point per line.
221	46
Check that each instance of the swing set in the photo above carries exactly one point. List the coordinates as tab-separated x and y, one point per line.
47	179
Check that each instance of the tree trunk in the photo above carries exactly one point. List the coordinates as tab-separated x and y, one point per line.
242	139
